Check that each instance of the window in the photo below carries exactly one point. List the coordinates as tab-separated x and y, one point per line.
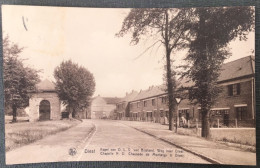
131	106
161	113
149	114
163	100
238	88
138	104
153	102
241	113
145	103
134	115
234	89
185	113
230	90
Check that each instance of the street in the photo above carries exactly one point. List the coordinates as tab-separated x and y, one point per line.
100	140
113	135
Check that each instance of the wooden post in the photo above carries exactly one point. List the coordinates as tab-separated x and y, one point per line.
218	123
197	126
236	122
177	119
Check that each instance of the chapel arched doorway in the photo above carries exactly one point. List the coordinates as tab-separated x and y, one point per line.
45	110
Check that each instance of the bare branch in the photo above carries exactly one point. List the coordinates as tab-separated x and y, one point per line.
147	49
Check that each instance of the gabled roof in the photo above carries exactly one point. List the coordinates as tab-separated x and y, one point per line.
152	91
242	67
98	100
239	68
129	97
45	85
107	100
112	100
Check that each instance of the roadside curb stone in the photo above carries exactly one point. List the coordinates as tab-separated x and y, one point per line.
211	160
211	151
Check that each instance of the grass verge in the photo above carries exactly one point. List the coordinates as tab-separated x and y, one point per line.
19	134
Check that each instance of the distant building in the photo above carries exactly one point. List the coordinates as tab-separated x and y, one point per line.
235	104
103	107
44	104
123	108
150	105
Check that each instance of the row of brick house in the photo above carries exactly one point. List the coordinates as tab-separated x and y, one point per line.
235	105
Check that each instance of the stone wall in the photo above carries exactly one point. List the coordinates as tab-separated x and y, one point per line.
55	105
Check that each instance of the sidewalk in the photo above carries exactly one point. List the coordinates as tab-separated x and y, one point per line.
216	152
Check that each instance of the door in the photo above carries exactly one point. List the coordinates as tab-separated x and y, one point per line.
45	110
226	118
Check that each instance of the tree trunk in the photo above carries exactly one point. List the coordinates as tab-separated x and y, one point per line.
205	130
169	72
170	91
205	108
14	113
70	111
73	113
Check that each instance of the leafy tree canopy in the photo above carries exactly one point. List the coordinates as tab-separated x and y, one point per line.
19	80
206	32
211	33
170	27
75	85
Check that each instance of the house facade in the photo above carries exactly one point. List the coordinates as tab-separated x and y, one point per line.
150	105
123	106
234	107
103	107
44	104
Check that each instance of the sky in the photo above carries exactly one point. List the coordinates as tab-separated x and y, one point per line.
51	35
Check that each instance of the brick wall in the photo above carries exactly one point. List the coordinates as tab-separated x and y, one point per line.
224	101
146	106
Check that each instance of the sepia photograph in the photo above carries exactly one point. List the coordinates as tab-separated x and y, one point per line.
173	85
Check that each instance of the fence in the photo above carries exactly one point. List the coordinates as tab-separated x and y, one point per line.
218	123
195	123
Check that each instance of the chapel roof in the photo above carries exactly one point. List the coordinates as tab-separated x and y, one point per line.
45	85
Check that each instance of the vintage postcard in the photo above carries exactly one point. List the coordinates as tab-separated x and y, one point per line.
135	84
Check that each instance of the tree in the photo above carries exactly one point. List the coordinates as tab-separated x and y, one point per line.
211	32
19	80
75	86
170	26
